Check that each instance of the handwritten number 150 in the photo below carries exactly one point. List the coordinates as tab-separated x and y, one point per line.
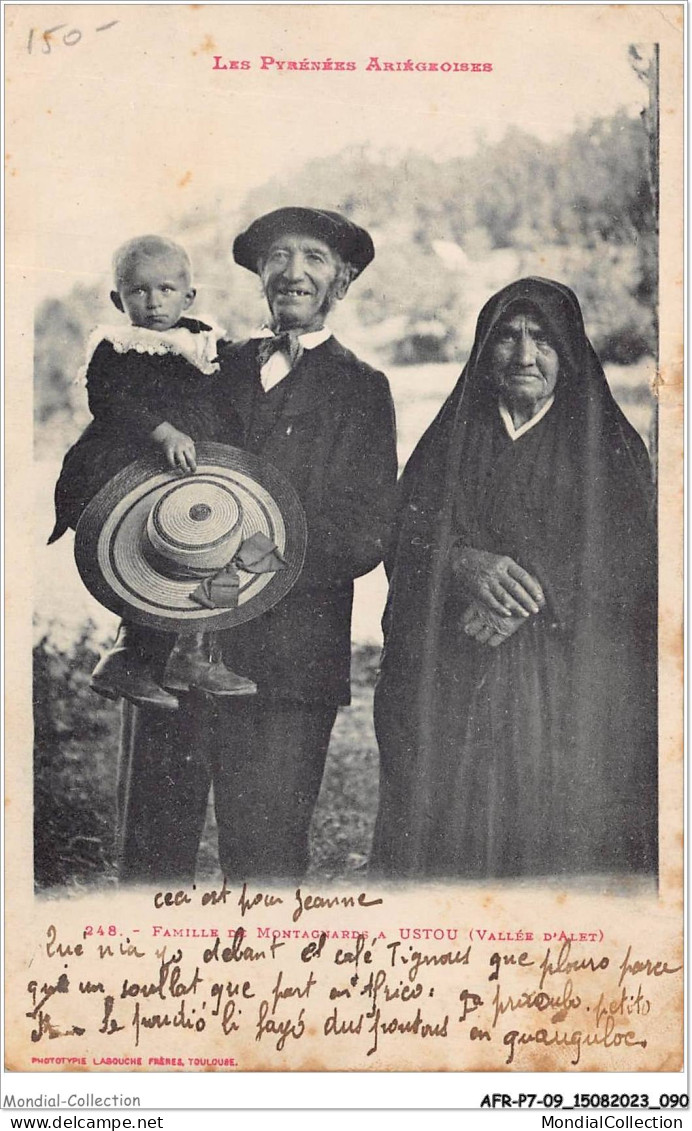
69	39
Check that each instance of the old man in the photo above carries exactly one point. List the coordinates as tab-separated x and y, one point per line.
325	419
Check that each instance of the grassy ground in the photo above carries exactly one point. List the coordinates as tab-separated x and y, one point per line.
75	766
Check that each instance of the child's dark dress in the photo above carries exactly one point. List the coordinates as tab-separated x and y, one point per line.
136	379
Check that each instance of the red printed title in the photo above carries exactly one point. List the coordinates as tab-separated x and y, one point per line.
375	64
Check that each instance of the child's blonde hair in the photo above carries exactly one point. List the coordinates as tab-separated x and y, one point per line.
147	247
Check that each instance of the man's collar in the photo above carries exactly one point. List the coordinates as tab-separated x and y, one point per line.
308	341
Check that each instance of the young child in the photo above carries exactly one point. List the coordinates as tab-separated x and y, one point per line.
151	384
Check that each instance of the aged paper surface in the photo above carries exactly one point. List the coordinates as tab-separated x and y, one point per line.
126	119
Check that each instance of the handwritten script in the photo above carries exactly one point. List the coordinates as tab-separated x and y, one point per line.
284	981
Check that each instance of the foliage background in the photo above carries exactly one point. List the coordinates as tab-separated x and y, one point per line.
448	234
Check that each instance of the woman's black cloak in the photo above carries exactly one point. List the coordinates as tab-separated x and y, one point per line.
538	756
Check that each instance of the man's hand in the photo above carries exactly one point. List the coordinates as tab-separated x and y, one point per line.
178	448
487	627
498	582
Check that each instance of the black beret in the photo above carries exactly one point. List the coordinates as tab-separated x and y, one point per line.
352	243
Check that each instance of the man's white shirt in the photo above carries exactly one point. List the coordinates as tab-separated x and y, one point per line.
278	366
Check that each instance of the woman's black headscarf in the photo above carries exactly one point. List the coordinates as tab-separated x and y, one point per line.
612	603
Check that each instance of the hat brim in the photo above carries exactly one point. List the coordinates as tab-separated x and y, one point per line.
110	535
351	242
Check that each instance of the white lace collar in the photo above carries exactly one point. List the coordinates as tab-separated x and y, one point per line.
200	349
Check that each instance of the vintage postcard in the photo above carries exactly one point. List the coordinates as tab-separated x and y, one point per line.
260	259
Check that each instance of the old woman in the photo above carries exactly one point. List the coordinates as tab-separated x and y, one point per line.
516	708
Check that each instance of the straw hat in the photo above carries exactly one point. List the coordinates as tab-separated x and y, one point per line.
150	537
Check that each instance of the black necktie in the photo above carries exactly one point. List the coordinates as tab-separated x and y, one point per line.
286	342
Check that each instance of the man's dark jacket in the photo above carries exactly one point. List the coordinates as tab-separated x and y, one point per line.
329	427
